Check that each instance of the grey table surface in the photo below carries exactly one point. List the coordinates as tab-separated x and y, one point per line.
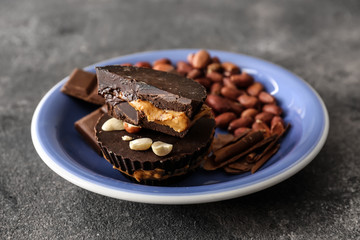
41	41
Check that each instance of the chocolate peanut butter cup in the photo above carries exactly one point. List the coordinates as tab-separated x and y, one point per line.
164	90
145	166
157	100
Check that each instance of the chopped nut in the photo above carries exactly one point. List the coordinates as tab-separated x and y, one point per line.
130	128
127	138
113	124
140	144
161	149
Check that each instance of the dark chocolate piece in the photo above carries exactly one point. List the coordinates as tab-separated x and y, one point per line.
185	155
239	146
83	85
239	166
125	112
164	90
210	164
265	157
86	127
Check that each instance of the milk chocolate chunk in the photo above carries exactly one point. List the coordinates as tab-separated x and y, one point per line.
164	90
86	127
83	85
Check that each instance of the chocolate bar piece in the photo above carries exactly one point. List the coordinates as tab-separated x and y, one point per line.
86	127
83	85
163	90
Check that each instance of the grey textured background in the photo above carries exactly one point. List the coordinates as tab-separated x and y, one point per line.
41	41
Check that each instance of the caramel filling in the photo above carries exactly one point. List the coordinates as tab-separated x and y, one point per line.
175	120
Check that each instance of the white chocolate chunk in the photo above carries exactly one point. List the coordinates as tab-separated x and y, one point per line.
161	149
126	138
140	144
113	124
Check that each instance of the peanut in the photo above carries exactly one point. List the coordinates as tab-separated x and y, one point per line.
219	104
201	59
143	64
224	119
130	128
250	112
230	68
214	67
162	61
231	93
161	149
240	122
277	129
126	138
265	97
259	125
204	81
275	120
183	67
214	76
113	124
140	144
235	106
215	60
195	73
248	101
216	88
163	67
227	82
240	130
272	108
264	117
190	58
255	89
242	80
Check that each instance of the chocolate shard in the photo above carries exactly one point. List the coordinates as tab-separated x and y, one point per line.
265	157
232	170
241	165
164	90
239	146
86	127
276	135
83	85
211	164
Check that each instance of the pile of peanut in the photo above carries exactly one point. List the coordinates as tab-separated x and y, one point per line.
239	103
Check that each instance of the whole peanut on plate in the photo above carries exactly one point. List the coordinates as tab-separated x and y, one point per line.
236	98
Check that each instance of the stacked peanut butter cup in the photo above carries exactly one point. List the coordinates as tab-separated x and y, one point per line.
157	127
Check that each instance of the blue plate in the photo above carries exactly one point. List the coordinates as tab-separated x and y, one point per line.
65	152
